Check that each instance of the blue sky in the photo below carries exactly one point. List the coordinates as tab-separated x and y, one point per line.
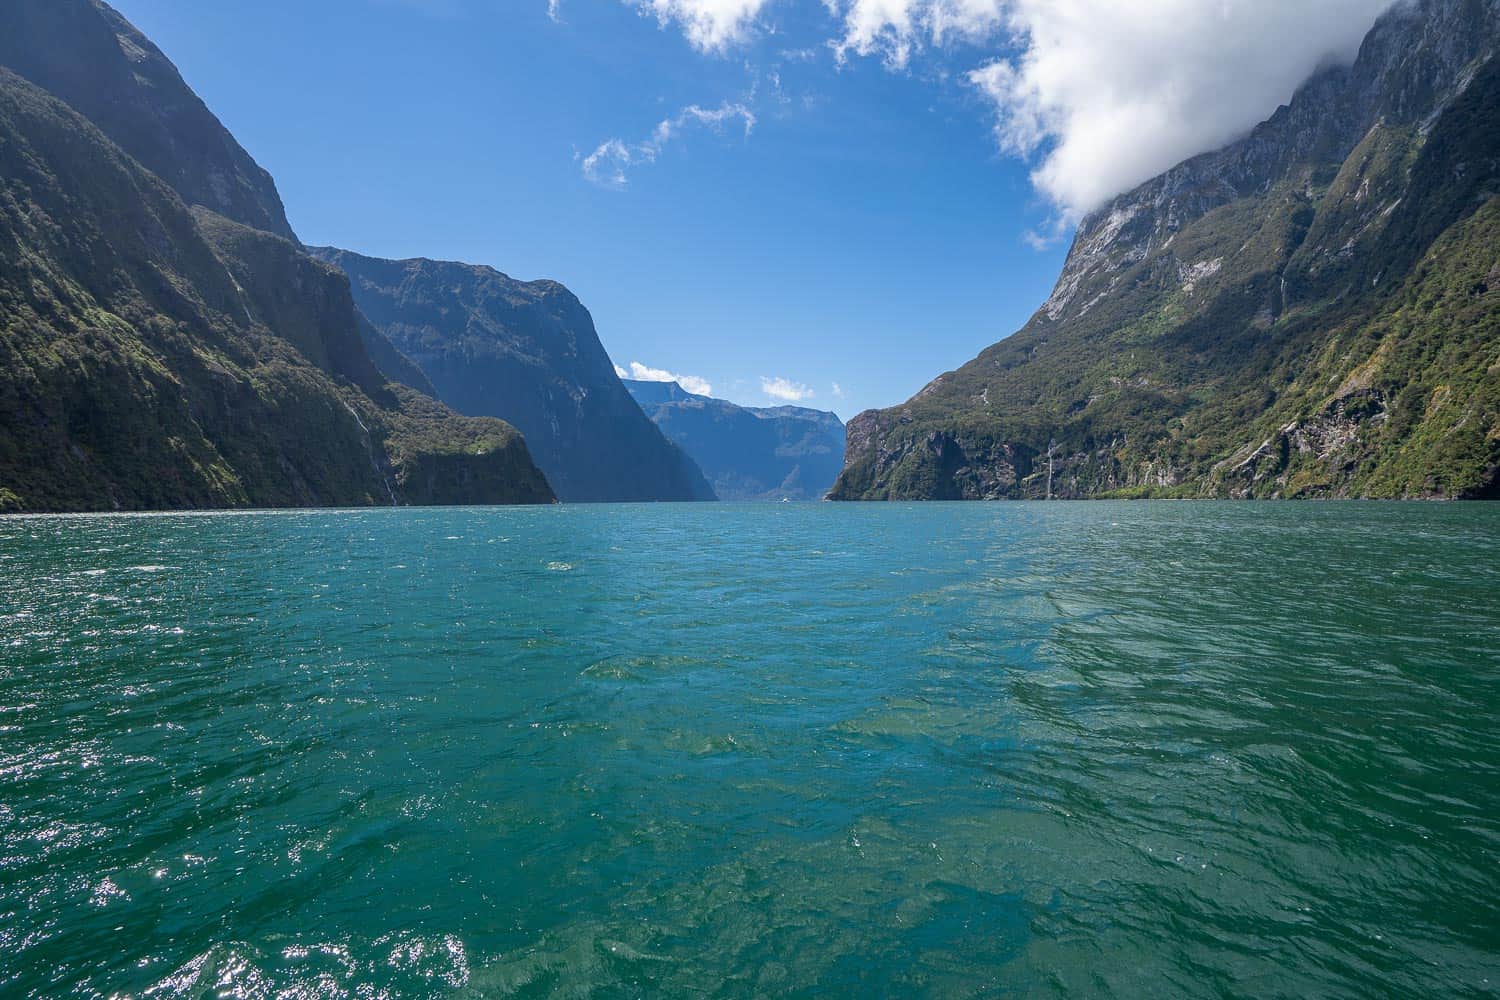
875	227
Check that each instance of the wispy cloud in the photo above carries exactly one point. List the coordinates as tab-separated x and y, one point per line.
786	390
895	29
838	391
609	165
1098	95
710	25
554	10
644	373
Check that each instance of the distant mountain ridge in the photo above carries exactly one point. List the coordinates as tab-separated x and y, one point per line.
1311	311
527	352
157	354
748	453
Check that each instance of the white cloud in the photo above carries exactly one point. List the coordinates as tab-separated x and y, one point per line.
786	390
803	55
1099	95
554	10
1109	93
607	164
711	25
894	29
1103	94
838	391
610	163
644	373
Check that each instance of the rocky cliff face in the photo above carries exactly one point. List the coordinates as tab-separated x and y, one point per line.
1416	60
526	352
85	53
1272	319
777	453
157	356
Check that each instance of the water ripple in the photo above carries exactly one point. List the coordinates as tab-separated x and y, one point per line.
1053	750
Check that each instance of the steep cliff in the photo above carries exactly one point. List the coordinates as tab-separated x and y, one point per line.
158	357
1307	312
749	453
526	352
86	54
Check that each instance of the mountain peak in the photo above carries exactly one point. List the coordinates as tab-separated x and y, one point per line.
1303	312
1415	59
527	352
749	453
87	54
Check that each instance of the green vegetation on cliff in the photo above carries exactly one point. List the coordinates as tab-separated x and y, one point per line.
1311	312
157	357
85	54
527	352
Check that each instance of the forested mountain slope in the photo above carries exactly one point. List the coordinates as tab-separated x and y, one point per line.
525	351
86	54
156	356
1312	311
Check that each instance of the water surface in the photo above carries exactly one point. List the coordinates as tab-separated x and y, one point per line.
1068	750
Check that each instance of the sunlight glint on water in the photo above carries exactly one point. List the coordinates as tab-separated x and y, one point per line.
1059	750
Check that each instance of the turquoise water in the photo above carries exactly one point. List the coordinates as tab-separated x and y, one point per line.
1076	750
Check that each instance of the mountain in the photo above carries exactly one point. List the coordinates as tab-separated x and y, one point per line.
785	452
157	355
86	54
1313	311
526	352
